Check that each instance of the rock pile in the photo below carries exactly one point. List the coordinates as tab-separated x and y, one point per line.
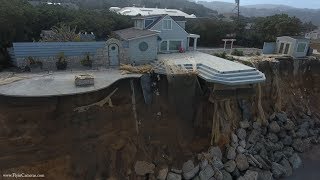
255	151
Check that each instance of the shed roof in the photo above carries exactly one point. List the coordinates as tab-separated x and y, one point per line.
134	11
134	33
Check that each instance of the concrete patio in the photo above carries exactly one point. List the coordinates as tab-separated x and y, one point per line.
60	83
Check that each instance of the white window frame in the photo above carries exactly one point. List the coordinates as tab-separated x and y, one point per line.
163	24
284	47
304	47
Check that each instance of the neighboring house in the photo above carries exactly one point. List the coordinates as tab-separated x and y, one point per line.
314	35
142	11
294	46
172	36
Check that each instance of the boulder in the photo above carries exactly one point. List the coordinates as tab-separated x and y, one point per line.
242	162
234	138
242	143
218	174
278	155
231	153
278	170
187	166
244	124
240	150
299	145
230	166
288	169
241	133
215	151
288	151
274	127
192	173
289	125
163	174
281	117
302	133
264	175
287	140
226	175
295	161
217	163
204	164
256	125
273	137
254	136
250	175
206	173
142	168
173	176
177	171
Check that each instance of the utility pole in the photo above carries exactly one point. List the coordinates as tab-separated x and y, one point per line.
238	9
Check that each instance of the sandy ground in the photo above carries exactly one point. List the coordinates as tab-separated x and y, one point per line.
310	169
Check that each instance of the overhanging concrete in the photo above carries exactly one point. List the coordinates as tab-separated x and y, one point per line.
214	69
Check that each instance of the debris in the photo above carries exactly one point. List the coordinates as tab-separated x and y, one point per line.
84	80
143	69
100	103
242	162
162	174
142	168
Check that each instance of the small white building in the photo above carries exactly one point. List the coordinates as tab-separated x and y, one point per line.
294	46
142	11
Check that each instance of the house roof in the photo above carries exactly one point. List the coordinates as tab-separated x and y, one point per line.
133	33
295	37
135	11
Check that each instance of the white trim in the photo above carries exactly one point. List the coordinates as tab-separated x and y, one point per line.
284	47
172	25
164	24
141	37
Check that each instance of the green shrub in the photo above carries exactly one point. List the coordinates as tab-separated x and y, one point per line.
237	52
86	61
34	63
221	55
62	63
258	53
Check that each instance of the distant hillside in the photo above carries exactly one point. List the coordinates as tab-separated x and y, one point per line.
262	10
184	5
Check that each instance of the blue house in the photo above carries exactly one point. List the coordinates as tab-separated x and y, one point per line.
156	34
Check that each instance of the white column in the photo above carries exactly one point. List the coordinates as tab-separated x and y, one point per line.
195	44
231	44
225	44
188	42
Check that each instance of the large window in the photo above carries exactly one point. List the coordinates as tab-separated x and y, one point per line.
147	22
174	45
301	47
167	24
281	48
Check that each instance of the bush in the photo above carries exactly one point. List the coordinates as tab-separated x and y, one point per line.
237	52
221	55
86	61
62	63
33	63
258	53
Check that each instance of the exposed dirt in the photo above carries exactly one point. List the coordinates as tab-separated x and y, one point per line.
45	135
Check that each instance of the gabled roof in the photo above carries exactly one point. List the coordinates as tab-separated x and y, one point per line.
135	11
162	17
133	33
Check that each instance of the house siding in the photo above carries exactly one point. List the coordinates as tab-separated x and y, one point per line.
176	33
142	57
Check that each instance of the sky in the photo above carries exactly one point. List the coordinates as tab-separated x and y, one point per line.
313	4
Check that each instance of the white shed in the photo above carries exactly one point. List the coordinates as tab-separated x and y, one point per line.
294	46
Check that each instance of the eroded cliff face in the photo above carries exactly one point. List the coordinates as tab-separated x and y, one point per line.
46	136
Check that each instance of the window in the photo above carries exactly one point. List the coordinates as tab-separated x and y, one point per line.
164	46
147	22
286	49
139	24
301	47
143	46
167	24
281	47
174	45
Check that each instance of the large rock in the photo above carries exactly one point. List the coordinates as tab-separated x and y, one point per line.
215	152
163	174
187	166
241	133
265	175
250	175
142	168
244	124
299	145
226	175
278	170
281	117
192	173
231	153
273	137
288	169
234	138
206	173
289	125
288	151
254	136
203	164
274	127
240	150
218	174
242	162
230	166
217	163
287	140
295	161
302	133
173	176
242	143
